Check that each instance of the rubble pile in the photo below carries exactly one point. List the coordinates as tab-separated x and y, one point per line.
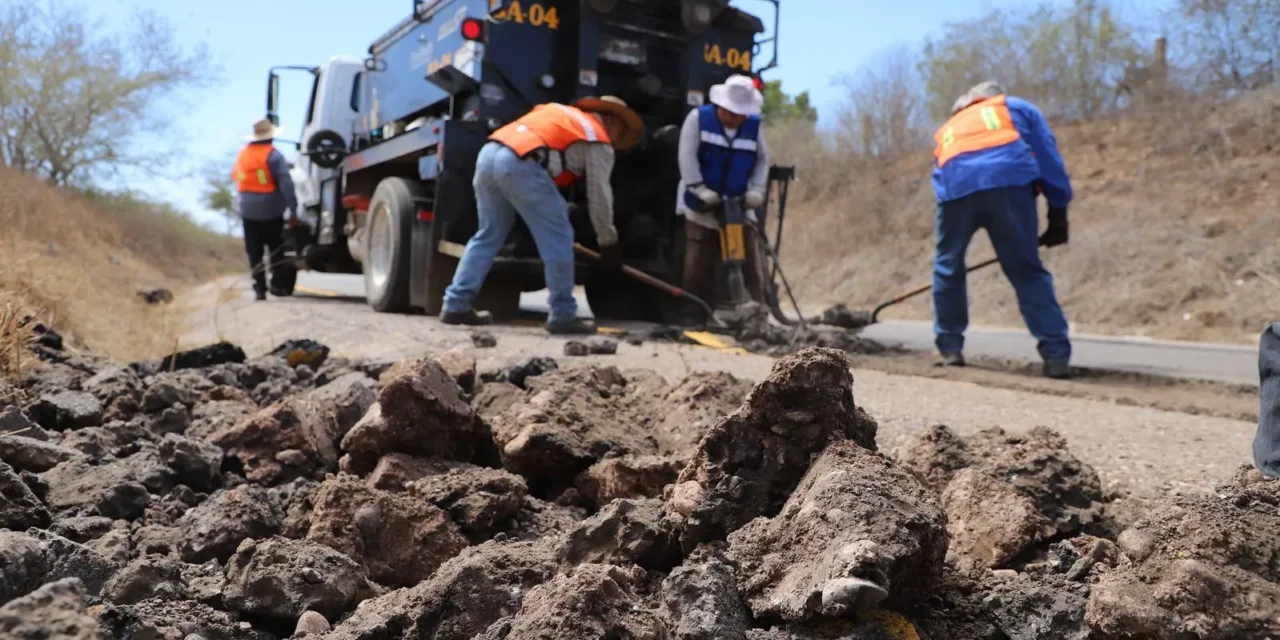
301	495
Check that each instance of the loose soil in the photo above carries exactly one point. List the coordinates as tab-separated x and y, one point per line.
362	500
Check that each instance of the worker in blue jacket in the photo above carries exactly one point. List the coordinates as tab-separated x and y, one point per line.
992	158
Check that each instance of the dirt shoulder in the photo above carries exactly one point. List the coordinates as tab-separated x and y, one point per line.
1143	435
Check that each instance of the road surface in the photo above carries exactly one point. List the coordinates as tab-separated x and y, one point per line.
1198	361
1138	449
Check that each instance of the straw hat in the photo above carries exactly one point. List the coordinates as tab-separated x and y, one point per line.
616	107
739	95
264	130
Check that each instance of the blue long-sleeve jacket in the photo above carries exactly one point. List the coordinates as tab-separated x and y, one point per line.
1033	158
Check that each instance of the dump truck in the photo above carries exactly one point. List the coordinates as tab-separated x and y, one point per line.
390	139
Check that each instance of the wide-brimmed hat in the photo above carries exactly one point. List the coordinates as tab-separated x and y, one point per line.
264	129
616	107
739	95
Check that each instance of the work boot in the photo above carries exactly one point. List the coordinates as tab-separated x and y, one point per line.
953	359
470	317
1057	369
571	327
259	295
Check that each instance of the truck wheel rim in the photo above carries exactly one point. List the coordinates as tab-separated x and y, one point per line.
380	247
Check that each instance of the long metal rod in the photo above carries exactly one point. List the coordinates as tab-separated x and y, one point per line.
915	292
778	269
656	283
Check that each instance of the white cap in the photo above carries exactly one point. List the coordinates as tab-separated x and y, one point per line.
739	95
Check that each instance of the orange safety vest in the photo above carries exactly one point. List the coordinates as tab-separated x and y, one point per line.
980	126
251	173
552	126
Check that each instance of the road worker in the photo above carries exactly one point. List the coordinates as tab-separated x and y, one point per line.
722	154
265	197
520	171
1266	442
992	158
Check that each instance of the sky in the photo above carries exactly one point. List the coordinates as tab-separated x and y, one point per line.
820	39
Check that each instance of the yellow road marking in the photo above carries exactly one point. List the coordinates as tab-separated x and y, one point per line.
302	288
719	343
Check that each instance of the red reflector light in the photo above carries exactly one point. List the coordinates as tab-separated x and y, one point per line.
355	202
472	29
426	216
759	83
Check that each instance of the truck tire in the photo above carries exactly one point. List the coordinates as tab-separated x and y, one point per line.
388	239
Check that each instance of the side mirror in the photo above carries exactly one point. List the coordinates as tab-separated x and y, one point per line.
417	9
273	97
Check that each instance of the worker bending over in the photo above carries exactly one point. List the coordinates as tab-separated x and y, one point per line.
991	159
520	171
721	155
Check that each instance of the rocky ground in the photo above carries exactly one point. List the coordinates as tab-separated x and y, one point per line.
212	496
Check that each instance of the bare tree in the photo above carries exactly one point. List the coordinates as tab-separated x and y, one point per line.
1235	43
885	115
81	103
1065	59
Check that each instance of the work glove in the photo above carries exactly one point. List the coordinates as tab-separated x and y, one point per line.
700	199
754	199
1056	234
611	256
291	219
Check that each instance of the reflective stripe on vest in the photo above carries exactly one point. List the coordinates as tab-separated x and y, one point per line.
555	127
252	173
727	164
978	127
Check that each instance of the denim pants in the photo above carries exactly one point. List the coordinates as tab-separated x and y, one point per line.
1009	216
507	186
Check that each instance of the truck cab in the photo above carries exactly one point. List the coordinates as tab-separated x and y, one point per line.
390	140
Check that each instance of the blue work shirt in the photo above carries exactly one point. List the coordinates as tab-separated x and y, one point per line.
1033	158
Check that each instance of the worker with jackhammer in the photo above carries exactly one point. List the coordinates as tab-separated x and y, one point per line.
265	194
722	155
992	159
520	172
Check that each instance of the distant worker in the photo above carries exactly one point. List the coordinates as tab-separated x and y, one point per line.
265	194
721	155
991	159
520	171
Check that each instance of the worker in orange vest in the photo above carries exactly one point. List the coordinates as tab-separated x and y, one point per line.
265	196
991	160
520	172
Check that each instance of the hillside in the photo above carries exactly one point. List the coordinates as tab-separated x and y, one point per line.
77	261
1172	230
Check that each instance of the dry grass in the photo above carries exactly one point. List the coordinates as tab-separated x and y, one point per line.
76	262
1174	225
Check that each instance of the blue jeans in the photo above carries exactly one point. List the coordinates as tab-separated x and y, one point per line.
1009	216
507	186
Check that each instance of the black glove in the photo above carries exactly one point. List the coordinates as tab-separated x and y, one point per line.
1056	234
611	256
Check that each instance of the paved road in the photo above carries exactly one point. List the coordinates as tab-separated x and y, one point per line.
1205	361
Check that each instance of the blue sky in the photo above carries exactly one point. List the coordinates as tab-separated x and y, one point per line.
820	39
